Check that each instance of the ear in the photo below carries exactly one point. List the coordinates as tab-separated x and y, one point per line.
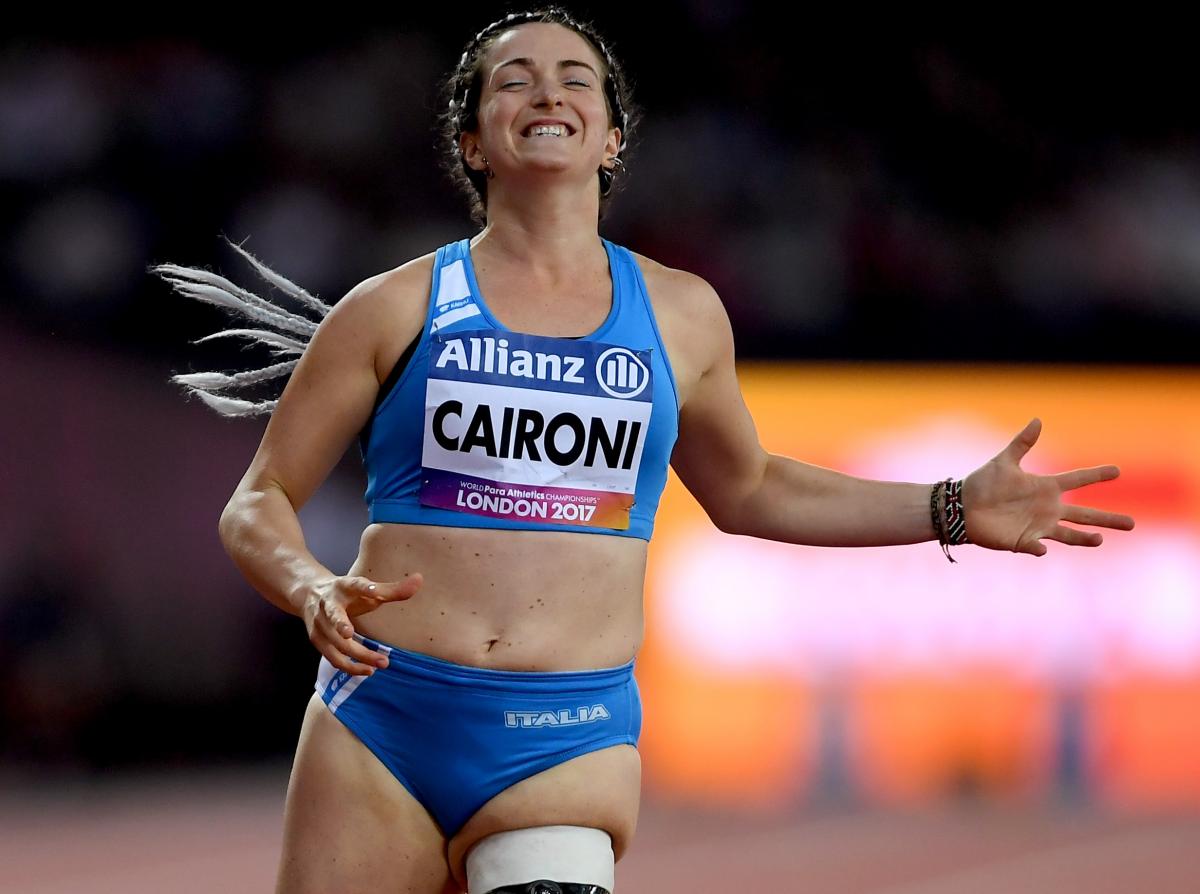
472	152
613	145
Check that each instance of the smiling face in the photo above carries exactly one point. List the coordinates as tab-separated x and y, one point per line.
542	105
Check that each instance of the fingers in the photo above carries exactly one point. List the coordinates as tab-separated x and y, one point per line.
1025	439
1062	534
1034	548
332	631
393	591
333	635
344	662
1073	537
1085	515
1083	477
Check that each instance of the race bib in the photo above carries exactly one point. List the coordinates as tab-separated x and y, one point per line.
530	427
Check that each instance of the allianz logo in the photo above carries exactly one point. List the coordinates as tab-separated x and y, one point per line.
618	371
621	373
562	717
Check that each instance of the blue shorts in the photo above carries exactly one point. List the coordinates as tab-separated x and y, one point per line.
456	736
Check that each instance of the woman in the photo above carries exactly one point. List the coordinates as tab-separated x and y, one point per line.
518	397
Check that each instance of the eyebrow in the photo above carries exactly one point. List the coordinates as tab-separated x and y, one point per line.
562	63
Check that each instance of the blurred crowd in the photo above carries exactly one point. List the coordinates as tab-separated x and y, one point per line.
849	193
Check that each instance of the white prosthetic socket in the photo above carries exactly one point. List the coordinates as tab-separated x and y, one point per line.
567	856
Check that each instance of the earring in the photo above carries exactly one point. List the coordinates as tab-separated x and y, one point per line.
608	175
487	168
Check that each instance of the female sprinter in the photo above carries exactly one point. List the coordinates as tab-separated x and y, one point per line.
518	397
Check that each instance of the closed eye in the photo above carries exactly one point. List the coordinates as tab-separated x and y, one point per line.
579	81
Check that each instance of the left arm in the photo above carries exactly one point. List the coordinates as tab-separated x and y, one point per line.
746	490
797	502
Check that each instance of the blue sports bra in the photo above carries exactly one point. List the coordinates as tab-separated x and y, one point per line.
483	427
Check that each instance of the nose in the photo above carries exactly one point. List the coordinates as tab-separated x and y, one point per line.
548	93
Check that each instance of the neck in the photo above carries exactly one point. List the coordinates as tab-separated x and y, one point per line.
550	230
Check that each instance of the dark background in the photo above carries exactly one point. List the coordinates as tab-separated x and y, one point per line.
860	189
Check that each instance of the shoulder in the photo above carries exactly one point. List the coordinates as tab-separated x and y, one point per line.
382	314
690	306
681	292
401	290
679	285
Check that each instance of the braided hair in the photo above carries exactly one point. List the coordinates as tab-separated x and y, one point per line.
282	330
462	91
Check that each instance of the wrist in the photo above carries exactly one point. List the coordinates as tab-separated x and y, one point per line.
306	592
947	514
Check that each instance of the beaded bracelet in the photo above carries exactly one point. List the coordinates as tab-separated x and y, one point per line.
946	510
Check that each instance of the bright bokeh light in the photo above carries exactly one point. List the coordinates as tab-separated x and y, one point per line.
775	665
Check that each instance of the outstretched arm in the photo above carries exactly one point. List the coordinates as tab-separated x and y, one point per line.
746	490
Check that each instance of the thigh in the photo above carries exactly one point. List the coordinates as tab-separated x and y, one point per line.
349	825
600	789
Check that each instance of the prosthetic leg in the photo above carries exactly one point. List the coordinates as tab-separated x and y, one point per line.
542	860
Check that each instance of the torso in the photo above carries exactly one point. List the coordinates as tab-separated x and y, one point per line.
525	600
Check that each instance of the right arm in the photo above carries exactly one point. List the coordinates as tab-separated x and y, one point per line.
327	401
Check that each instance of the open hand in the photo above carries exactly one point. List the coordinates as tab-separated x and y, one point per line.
1008	508
333	602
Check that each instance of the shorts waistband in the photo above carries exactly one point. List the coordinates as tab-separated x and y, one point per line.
439	670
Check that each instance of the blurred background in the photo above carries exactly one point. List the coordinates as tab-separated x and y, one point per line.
924	236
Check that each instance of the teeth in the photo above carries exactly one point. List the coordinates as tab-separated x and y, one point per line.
556	130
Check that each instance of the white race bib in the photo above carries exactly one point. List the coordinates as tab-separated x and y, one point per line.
530	427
